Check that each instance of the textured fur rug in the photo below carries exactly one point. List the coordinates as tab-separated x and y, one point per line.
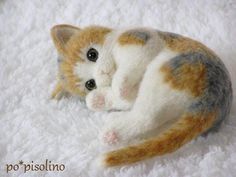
35	128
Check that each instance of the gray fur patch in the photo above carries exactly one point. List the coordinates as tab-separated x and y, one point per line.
217	95
140	34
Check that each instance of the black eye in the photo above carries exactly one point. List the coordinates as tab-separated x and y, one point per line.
92	55
90	84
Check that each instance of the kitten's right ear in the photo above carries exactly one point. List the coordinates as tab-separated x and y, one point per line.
61	35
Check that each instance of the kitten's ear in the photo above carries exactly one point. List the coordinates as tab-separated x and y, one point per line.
61	35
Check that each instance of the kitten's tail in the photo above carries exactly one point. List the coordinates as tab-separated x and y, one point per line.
185	129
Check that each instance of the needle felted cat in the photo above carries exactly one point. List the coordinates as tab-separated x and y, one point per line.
169	88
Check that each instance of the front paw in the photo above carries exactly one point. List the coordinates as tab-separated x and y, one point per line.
127	90
98	101
95	101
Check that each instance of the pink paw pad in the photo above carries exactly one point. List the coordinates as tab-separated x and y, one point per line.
124	92
98	101
110	137
127	91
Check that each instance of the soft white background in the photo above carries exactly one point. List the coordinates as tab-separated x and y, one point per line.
33	127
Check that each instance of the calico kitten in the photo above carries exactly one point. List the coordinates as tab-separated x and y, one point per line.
169	88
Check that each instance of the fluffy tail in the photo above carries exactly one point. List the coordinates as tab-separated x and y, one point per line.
185	129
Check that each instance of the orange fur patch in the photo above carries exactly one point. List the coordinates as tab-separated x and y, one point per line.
127	39
184	130
57	90
184	44
87	36
71	80
191	78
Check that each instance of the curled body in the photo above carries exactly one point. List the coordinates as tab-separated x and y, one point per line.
165	88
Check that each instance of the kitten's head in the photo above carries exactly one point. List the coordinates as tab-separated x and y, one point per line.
80	51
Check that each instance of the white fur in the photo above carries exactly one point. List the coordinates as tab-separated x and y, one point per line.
84	70
33	127
152	106
137	86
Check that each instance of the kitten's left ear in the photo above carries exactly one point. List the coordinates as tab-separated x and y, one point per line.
61	35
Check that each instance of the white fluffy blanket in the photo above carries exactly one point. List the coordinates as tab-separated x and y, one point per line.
35	128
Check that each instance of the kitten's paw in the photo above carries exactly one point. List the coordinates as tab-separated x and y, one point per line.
124	92
110	137
116	129
97	101
127	90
